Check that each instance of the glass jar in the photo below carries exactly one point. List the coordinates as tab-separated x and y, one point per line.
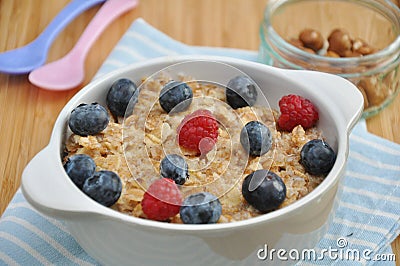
376	22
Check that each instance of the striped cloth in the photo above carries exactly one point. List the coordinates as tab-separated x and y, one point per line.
367	218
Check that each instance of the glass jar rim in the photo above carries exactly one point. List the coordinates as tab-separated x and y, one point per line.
389	51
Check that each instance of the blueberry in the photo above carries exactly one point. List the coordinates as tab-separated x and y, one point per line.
241	92
200	208
174	167
88	119
79	167
104	187
175	96
256	138
317	157
123	93
264	190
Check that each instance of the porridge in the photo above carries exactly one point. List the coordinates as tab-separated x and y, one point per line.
135	147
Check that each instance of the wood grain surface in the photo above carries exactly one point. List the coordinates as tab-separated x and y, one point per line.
28	113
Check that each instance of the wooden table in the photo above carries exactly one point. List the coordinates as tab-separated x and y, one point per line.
28	113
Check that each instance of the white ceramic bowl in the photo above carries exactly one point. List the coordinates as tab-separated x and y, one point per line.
114	238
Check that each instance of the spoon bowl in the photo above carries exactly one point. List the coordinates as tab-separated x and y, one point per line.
63	74
24	59
69	71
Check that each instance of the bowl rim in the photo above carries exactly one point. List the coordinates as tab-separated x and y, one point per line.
56	143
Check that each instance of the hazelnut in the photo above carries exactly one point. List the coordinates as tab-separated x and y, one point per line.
339	41
351	53
299	44
376	91
308	50
311	39
332	54
391	79
362	47
296	42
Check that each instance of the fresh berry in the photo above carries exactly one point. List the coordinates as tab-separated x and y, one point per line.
200	208
264	190
317	157
175	96
198	132
104	187
174	167
256	138
162	200
241	92
88	119
79	167
123	93
296	110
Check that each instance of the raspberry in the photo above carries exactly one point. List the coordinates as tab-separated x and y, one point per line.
198	131
162	200
296	110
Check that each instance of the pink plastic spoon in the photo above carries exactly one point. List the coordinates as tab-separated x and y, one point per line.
69	71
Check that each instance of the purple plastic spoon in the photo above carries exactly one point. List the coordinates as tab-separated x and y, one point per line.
24	59
69	71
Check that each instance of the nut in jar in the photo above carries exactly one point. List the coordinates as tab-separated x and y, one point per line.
379	88
331	36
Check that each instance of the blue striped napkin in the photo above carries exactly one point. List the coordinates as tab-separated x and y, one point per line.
367	219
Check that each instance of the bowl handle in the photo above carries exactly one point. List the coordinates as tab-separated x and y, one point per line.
50	193
341	92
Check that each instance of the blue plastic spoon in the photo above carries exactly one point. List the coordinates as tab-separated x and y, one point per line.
27	58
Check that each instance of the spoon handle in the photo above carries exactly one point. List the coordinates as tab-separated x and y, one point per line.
106	14
64	17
